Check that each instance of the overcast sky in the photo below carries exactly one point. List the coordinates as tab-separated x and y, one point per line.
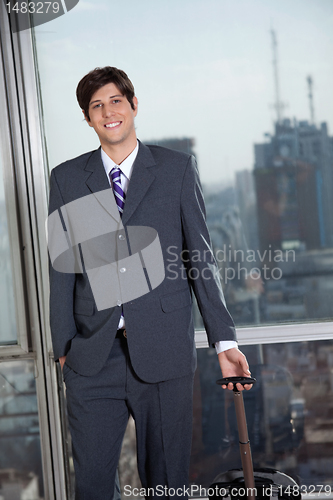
201	69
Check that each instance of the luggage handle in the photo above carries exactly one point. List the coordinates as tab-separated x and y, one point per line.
244	442
236	380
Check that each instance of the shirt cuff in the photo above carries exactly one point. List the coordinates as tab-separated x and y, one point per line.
224	345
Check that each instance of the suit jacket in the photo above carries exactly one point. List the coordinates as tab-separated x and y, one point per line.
164	193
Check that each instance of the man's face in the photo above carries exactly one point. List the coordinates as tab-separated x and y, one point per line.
112	116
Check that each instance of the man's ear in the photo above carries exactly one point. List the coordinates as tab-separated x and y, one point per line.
136	103
86	118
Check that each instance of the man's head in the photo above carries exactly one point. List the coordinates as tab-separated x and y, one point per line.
99	77
106	96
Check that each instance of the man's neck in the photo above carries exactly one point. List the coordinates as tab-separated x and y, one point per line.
119	152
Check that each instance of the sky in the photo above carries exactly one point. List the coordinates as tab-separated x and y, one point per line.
201	69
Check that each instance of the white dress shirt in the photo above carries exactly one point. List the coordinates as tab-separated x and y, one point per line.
126	167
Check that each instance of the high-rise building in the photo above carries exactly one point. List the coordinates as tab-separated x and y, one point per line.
294	184
247	204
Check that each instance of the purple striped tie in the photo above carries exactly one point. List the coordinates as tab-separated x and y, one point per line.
120	198
117	189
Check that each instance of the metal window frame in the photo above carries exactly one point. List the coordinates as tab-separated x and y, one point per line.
7	153
276	334
26	188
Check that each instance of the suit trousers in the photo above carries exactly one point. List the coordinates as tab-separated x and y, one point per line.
98	410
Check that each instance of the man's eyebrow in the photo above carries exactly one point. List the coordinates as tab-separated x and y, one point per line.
111	97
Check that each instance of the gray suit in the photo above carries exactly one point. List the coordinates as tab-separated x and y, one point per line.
164	193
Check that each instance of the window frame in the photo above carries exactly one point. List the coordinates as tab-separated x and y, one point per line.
7	153
276	334
26	187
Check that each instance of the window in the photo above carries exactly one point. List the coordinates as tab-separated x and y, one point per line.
20	456
289	414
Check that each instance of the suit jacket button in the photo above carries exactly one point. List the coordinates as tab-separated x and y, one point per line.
123	270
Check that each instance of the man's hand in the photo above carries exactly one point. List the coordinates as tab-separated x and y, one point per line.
233	363
62	361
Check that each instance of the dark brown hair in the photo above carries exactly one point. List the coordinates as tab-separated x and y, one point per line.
99	77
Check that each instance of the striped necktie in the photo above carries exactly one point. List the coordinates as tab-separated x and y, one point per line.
117	189
120	199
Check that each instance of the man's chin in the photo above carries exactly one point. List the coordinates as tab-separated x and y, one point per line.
115	141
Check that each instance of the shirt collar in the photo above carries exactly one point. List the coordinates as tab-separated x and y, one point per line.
126	166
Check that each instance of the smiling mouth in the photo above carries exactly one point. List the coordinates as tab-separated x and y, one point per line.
112	125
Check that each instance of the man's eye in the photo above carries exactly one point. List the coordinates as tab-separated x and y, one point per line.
116	101
97	105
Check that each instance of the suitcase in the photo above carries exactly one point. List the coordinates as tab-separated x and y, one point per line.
249	483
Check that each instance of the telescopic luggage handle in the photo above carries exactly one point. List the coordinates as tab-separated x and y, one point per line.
244	442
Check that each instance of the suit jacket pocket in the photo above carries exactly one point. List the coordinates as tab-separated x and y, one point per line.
174	301
67	372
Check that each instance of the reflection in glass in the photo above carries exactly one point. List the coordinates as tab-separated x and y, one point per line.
289	414
20	454
8	333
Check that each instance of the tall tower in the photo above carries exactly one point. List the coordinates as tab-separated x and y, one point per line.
278	105
310	95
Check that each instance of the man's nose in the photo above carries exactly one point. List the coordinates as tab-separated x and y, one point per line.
108	111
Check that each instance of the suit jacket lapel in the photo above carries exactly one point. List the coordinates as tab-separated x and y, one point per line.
97	182
141	179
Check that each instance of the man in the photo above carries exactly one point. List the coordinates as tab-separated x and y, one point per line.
134	356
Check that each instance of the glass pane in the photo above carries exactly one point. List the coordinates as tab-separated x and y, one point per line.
20	455
8	332
205	81
289	414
